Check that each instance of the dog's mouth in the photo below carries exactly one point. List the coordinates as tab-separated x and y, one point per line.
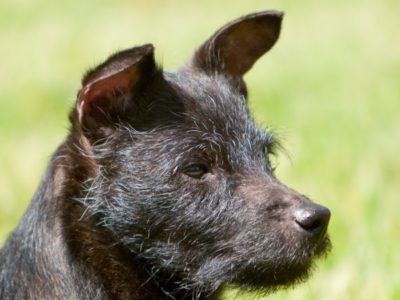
285	269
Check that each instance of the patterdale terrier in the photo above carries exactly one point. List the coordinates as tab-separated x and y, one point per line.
163	188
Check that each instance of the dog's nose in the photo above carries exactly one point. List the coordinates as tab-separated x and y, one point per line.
313	218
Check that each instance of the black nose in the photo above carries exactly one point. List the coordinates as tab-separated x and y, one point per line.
313	218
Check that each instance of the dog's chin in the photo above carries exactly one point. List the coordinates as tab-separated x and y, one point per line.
269	280
267	277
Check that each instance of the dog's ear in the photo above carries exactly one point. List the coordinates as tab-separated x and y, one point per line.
108	91
234	48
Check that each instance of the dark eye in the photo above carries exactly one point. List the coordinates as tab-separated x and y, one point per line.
195	170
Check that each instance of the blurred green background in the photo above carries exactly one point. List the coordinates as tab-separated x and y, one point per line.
330	88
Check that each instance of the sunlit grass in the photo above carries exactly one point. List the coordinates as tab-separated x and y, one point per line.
330	88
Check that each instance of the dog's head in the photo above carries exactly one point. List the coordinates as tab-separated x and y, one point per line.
181	173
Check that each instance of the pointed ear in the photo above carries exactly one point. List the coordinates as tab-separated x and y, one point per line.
234	48
107	92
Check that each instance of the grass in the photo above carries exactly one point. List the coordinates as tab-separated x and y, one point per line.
330	87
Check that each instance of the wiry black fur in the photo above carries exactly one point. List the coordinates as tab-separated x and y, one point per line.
118	217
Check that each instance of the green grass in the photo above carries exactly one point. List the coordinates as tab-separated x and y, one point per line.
330	87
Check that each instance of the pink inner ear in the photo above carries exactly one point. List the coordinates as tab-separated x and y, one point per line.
79	107
105	91
107	95
108	88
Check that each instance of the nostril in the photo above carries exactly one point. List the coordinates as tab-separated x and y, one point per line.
313	218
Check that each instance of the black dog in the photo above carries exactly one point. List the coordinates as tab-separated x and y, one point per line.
164	188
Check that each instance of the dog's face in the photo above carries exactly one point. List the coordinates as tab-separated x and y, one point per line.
181	172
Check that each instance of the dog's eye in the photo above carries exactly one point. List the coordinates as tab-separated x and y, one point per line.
195	170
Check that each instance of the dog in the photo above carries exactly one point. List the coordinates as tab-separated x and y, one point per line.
164	187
